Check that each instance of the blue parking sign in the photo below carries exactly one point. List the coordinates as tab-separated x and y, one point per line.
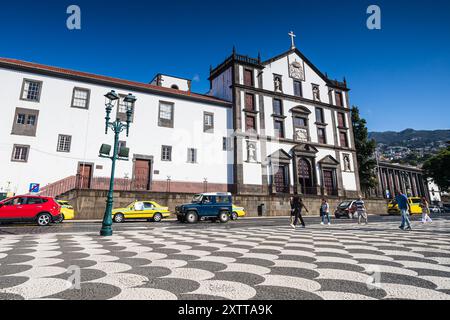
34	187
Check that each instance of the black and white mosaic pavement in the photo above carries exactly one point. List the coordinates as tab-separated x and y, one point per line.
341	262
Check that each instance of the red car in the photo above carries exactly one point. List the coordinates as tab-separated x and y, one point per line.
42	210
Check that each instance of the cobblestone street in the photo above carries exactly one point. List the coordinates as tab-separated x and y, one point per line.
245	260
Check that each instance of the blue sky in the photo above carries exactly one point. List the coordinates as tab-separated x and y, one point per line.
399	76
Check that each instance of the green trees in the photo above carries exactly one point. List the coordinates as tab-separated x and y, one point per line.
365	152
438	168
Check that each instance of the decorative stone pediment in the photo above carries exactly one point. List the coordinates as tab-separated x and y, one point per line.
301	110
302	149
280	156
296	71
329	161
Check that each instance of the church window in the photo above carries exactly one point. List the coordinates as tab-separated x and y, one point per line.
319	116
122	109
341	120
166	153
208	122
248	77
281	179
298	90
279	128
339	99
249	102
64	143
301	129
250	123
277	107
305	178
343	139
80	98
321	134
165	118
31	90
192	155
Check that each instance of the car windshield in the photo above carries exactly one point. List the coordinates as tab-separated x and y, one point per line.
344	204
197	198
393	202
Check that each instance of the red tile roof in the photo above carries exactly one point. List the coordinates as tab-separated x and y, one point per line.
7	62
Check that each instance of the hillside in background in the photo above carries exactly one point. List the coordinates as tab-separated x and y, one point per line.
411	138
410	146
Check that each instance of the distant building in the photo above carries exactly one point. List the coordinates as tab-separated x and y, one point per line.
435	191
394	178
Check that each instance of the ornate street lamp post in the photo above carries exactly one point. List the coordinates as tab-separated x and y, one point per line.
117	127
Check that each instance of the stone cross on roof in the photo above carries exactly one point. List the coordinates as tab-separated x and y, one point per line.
292	35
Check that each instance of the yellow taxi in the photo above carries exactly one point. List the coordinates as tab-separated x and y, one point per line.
238	212
414	204
67	211
149	210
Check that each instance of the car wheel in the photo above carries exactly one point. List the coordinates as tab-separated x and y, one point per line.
234	216
61	219
224	217
43	219
118	218
157	217
191	217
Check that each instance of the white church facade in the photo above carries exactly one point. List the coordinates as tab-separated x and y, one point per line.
265	127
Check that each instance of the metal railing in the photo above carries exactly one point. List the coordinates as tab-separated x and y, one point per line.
57	188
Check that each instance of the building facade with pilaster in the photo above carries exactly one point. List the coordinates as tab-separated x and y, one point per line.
292	126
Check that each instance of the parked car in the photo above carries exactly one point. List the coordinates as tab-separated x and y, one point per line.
238	212
435	209
446	208
149	210
67	211
345	209
414	204
206	206
41	210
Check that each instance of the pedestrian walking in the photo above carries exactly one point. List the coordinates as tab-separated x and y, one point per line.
403	205
325	212
292	217
425	211
360	208
297	206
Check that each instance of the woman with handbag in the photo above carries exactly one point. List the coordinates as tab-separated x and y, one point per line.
425	211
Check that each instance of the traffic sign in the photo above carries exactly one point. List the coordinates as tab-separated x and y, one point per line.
34	187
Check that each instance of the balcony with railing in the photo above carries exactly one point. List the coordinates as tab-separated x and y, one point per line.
245	59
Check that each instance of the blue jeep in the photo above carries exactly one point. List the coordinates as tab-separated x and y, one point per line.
206	206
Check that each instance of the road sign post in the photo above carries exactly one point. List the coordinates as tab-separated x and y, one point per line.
34	188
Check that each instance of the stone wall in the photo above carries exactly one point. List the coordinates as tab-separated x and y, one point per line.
90	204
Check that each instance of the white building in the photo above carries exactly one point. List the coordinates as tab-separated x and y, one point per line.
435	191
275	126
